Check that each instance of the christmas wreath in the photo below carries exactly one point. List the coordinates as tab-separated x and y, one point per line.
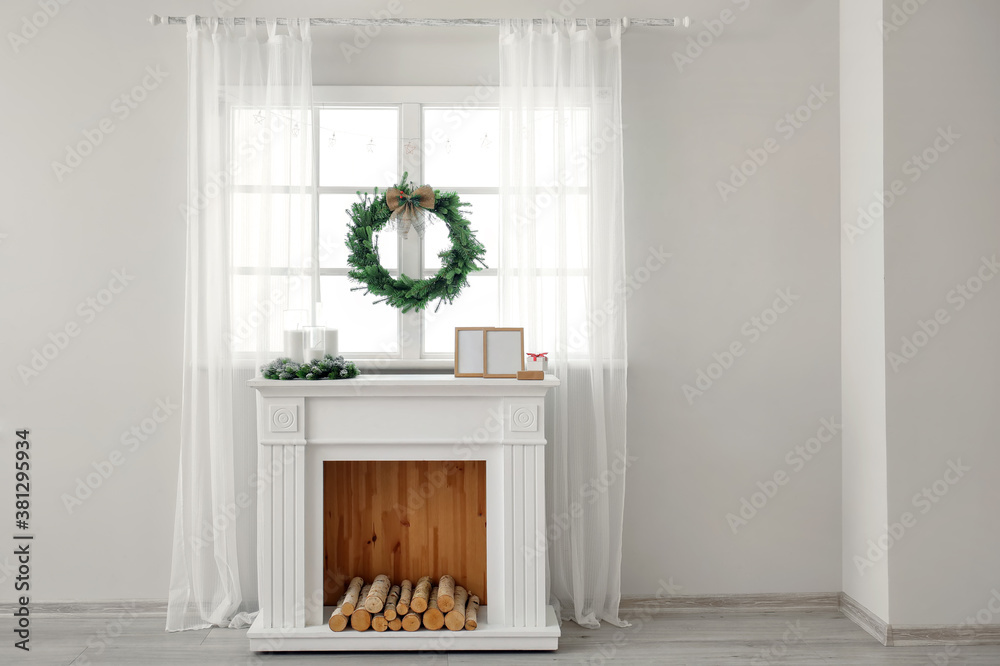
327	367
403	206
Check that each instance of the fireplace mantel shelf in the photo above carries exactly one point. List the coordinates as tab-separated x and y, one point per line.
415	385
303	424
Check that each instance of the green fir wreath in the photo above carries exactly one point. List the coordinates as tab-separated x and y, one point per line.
372	213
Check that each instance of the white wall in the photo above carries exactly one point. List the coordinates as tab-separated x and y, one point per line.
116	210
685	130
696	462
920	124
942	404
864	479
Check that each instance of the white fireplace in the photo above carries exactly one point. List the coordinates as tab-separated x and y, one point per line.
303	424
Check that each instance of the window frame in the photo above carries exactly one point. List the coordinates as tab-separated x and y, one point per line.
410	100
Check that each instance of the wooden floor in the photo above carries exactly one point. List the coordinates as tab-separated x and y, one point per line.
725	637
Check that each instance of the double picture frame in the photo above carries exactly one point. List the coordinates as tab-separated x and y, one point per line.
484	351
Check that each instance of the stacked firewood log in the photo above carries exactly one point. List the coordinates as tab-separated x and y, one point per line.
383	606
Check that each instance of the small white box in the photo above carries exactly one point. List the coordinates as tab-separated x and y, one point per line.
541	364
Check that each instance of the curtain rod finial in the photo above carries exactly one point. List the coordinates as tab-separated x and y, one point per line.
155	20
686	21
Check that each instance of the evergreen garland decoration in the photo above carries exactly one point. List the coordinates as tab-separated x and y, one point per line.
327	367
371	214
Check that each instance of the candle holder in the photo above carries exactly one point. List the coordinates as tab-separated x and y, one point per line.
314	344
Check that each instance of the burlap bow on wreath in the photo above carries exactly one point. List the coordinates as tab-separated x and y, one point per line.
410	209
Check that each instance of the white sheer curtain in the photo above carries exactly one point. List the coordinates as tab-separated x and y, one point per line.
563	277
249	240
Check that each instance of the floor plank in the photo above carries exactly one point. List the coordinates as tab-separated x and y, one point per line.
796	638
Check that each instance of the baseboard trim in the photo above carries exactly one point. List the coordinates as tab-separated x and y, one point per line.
969	634
867	620
694	603
886	634
732	602
110	607
904	635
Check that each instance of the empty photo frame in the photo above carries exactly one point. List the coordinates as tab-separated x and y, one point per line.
503	352
469	343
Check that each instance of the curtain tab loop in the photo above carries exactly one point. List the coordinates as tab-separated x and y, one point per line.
618	27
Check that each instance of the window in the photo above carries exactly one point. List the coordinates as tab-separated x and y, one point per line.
358	147
461	151
362	137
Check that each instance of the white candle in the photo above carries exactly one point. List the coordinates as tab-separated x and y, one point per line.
293	345
332	342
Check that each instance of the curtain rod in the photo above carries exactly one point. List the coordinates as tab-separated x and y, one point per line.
156	19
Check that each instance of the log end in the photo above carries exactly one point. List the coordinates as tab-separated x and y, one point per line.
455	621
361	620
433	619
338	622
411	622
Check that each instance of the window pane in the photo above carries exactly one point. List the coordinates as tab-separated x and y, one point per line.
477	306
272	147
258	303
558	134
461	147
365	327
570	299
359	147
279	236
561	228
333	220
574	301
484	214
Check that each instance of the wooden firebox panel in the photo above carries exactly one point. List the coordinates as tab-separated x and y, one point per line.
406	519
